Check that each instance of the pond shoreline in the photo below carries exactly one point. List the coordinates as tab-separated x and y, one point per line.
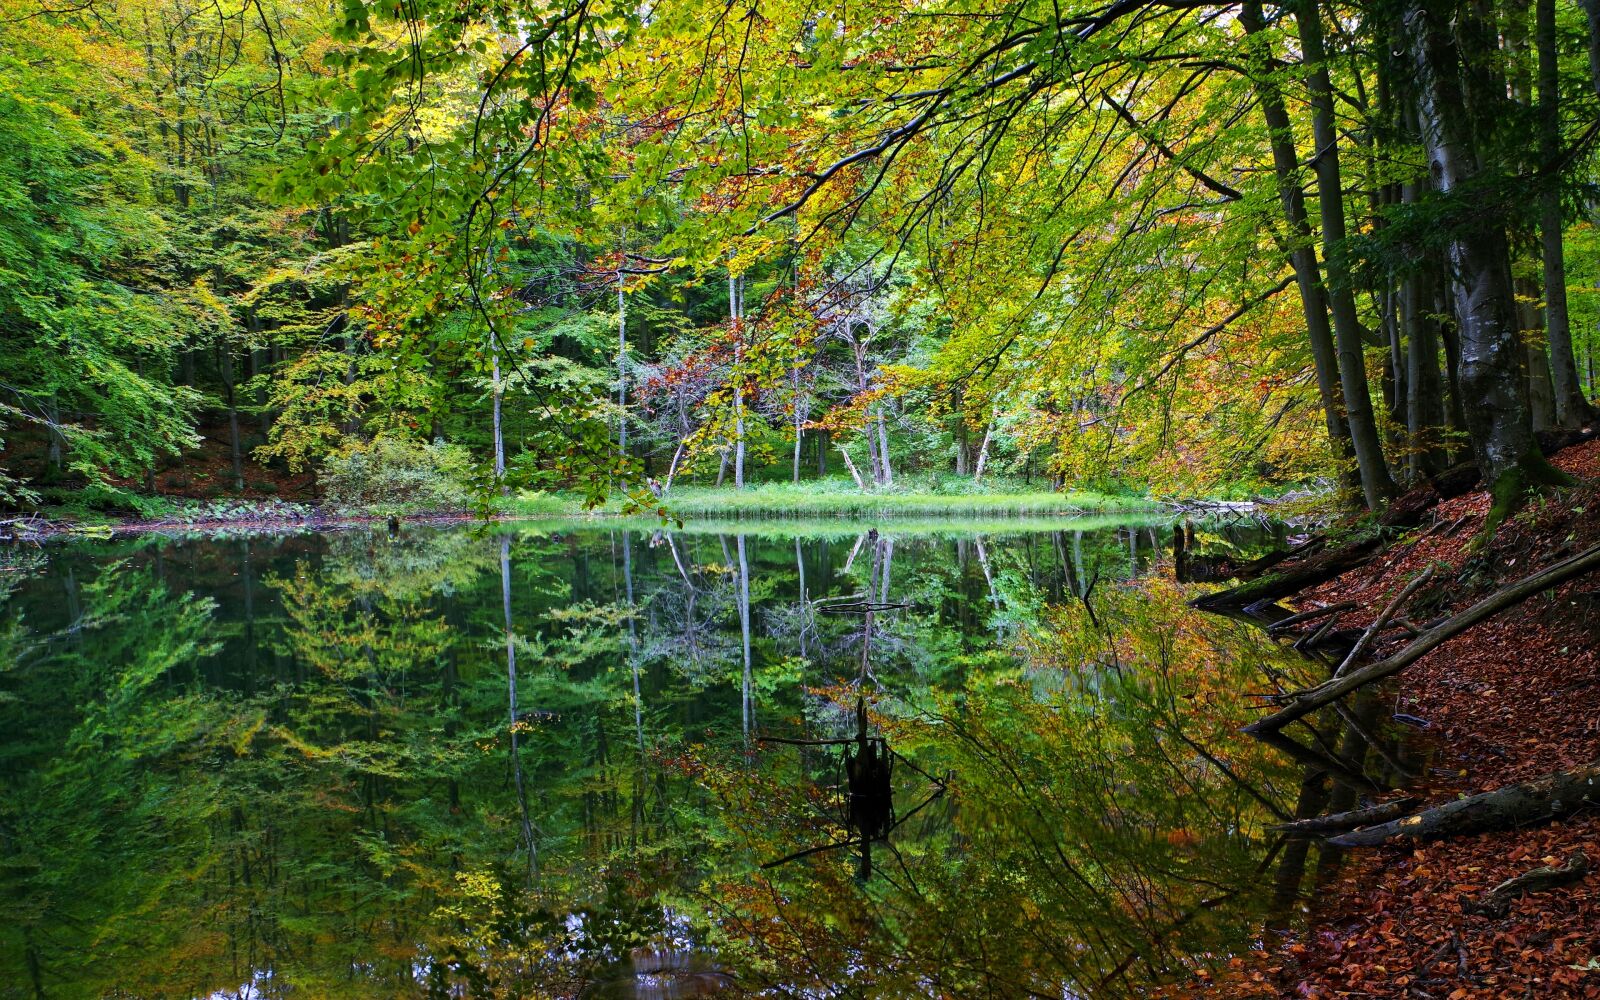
37	528
1505	702
231	515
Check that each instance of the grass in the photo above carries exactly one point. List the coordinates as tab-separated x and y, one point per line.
926	496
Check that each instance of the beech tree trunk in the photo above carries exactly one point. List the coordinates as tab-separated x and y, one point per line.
1494	397
1376	483
1302	255
1571	407
1425	388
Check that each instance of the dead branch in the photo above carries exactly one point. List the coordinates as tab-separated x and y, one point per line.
1350	820
1497	901
1382	620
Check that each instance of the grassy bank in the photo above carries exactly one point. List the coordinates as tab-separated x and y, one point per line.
924	496
927	497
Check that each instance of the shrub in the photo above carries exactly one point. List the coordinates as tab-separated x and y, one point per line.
394	470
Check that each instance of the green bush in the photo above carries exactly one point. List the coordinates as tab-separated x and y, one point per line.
393	470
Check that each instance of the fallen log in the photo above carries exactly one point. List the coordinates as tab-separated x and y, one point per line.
1537	801
1320	568
1309	700
1497	901
1340	821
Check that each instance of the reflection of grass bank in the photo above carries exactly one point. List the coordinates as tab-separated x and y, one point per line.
925	496
834	528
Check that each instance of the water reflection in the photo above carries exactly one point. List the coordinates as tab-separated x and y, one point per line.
530	763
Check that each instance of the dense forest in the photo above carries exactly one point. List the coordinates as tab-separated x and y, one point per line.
1161	246
1181	415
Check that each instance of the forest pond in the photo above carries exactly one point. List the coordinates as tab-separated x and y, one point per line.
570	760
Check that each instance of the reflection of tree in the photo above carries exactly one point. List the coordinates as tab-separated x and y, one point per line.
1104	829
314	783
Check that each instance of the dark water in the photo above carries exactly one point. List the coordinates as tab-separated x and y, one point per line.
538	761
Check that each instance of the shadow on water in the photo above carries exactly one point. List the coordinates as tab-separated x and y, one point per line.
977	758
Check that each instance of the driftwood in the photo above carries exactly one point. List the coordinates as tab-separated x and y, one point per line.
1383	619
1497	901
1537	801
1304	702
1341	821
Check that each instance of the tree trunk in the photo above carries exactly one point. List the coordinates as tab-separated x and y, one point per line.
1571	407
736	315
499	440
1302	257
622	368
1425	390
1494	398
1376	483
983	454
1591	12
854	473
225	367
883	449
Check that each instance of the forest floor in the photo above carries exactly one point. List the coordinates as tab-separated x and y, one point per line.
1512	698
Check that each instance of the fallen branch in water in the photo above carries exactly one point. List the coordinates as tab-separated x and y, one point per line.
1341	821
1309	700
1537	801
1497	901
1312	615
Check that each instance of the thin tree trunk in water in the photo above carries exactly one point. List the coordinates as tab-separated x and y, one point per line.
1572	408
1302	257
1495	401
633	638
511	704
1376	483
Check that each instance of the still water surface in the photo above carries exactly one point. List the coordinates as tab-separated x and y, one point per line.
545	760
